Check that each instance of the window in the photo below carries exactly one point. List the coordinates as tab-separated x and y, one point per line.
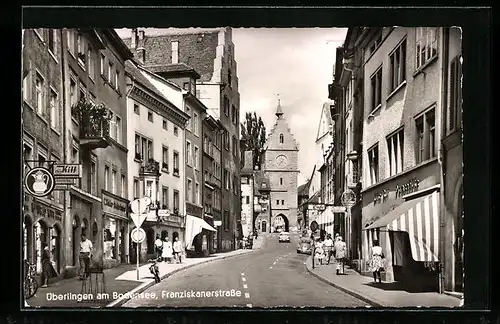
81	51
136	109
376	43
176	131
426	136
235	146
226	140
282	139
197	194
189	121
136	188
277	202
75	158
54	111
426	45
113	182
376	88
189	153
149	189
176	163
175	52
226	106
282	202
143	148
137	147
81	93
118	121
103	63
226	179
93	178
122	186
395	152
234	115
454	109
198	94
229	78
196	129
398	66
52	41
72	92
281	181
70	34
247	200
27	83
150	116
189	192
176	201
185	86
91	65
110	72
106	177
117	80
165	125
373	164
39	95
226	220
164	197
164	164
193	86
196	157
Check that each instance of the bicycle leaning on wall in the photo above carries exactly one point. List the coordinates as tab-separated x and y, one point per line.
30	283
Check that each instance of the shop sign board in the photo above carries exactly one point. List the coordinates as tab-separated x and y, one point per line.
39	182
68	170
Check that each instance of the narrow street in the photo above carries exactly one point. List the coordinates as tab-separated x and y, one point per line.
274	276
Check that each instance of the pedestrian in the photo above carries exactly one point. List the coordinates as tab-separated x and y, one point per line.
340	252
167	250
158	247
319	251
178	250
85	254
328	247
48	270
377	261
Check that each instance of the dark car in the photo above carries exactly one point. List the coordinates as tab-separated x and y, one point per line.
304	246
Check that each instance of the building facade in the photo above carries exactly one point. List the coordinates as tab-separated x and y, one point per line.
43	143
281	167
210	52
156	158
247	194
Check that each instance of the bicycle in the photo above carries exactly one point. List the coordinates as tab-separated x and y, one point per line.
30	283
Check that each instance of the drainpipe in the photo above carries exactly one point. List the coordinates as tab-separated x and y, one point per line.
442	156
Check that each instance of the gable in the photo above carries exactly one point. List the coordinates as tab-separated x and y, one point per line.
281	128
325	120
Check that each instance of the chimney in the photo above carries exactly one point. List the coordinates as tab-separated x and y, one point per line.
133	41
141	34
140	54
140	39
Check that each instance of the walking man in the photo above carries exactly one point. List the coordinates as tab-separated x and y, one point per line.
328	247
340	252
85	254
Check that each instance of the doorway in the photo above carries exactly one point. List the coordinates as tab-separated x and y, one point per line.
55	247
41	237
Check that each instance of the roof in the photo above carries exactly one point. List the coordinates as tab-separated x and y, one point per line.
134	71
179	68
302	190
314	199
260	179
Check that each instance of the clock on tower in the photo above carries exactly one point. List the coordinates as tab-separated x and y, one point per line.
281	161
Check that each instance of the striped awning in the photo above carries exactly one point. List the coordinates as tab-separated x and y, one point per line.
420	219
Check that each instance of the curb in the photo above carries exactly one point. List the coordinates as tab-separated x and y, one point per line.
347	291
137	290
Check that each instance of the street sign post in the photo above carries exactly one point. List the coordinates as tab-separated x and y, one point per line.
138	219
139	207
138	235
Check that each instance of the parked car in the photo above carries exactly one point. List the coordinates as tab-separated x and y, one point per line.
284	237
304	246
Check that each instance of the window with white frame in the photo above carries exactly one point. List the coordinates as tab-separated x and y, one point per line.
176	163
176	131
118	122
164	164
75	154
149	189
106	178
373	164
176	202
137	111
123	190
150	116
197	193
42	156
189	121
70	35
189	192
426	45
226	106
39	85
54	111
226	179
188	153
376	89
395	151
51	42
81	50
110	73
72	92
164	196
175	52
113	182
196	129
426	136
136	188
455	105
103	64
196	157
234	115
117	80
397	69
165	124
27	83
143	148
91	62
93	177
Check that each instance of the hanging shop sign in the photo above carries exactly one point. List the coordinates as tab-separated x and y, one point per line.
39	182
68	170
348	198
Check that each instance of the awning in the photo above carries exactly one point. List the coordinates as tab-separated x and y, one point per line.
194	226
420	219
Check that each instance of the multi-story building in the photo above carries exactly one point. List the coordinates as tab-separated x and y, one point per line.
94	88
262	202
403	84
247	194
302	198
43	142
212	183
209	52
281	166
156	156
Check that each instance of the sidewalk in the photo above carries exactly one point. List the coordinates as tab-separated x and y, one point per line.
119	281
379	295
258	242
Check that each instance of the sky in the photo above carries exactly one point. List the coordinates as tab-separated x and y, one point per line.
294	63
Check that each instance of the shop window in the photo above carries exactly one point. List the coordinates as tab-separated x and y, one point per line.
109	238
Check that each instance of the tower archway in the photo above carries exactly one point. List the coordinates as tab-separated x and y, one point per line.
281	221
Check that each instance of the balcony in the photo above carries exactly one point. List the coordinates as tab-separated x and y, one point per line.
93	124
150	168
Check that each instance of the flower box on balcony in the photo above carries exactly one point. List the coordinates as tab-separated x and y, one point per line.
151	167
94	124
138	156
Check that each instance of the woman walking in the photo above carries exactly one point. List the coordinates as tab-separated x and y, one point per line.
167	250
377	263
178	249
47	268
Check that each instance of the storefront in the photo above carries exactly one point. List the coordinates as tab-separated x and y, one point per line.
42	224
115	229
403	215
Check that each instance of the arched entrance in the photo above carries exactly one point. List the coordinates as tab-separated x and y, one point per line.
28	239
75	239
55	247
459	242
40	237
281	221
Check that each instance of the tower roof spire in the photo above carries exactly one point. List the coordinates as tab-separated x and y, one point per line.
279	111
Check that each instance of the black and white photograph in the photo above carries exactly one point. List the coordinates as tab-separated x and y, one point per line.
242	168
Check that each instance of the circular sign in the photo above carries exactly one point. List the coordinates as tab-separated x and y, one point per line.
314	226
39	182
138	235
348	198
